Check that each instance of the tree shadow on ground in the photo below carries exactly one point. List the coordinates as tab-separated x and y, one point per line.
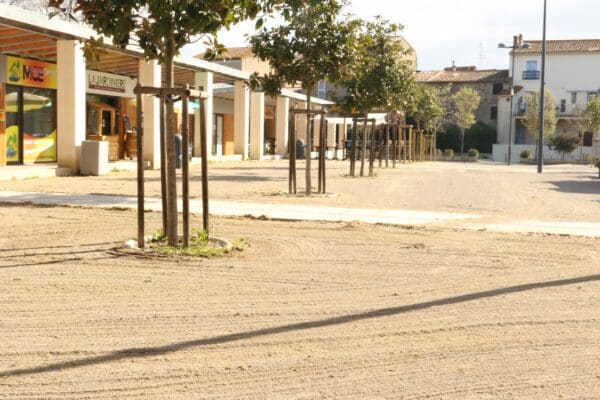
52	247
142	352
580	187
64	257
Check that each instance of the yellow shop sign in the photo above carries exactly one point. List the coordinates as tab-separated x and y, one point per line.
25	72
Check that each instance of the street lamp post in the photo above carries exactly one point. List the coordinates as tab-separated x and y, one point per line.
517	44
540	161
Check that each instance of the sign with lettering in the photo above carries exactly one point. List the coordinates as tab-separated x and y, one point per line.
25	72
110	84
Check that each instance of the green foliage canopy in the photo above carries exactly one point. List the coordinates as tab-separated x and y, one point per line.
161	27
564	144
376	76
427	108
531	118
465	102
312	45
592	112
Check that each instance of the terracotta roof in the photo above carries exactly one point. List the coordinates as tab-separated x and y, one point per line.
562	46
233	53
462	75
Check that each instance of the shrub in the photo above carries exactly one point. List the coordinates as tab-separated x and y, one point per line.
473	153
449	153
480	137
564	144
525	154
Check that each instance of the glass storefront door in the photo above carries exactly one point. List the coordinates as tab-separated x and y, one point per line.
14	144
30	125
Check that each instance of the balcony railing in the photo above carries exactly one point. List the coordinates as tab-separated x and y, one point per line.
531	75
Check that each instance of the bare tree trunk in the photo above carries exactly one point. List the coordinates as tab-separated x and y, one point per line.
364	149
140	170
308	142
185	170
353	137
462	140
387	145
292	153
170	147
163	167
372	150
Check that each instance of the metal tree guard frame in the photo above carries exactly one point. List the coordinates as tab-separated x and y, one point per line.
172	94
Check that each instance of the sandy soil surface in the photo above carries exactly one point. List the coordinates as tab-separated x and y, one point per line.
309	311
562	193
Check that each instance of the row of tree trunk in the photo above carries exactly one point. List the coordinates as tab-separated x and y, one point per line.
168	158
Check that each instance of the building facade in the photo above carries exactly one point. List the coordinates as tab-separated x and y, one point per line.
489	84
571	75
52	99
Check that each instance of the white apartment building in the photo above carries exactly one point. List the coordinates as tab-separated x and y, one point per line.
572	74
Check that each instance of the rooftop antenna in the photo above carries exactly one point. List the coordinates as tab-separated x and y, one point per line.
481	55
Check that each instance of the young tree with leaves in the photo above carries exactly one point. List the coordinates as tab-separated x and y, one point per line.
592	113
376	77
427	109
310	46
531	118
464	103
564	144
161	29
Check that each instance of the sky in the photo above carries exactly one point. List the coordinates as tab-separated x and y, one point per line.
465	31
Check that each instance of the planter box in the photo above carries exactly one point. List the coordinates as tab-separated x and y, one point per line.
94	157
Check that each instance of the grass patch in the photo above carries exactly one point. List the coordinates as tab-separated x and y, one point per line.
200	246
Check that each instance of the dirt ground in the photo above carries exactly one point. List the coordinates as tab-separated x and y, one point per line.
309	311
562	193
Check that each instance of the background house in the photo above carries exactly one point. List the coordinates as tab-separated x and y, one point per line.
571	74
489	84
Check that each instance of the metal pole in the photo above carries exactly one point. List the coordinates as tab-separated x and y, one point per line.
163	165
140	170
353	138
185	169
512	102
540	162
204	155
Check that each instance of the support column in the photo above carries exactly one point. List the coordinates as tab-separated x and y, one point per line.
317	132
343	134
301	122
331	128
71	112
150	75
241	119
204	81
257	125
282	119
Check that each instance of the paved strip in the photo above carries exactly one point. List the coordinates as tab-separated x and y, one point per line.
296	212
240	209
